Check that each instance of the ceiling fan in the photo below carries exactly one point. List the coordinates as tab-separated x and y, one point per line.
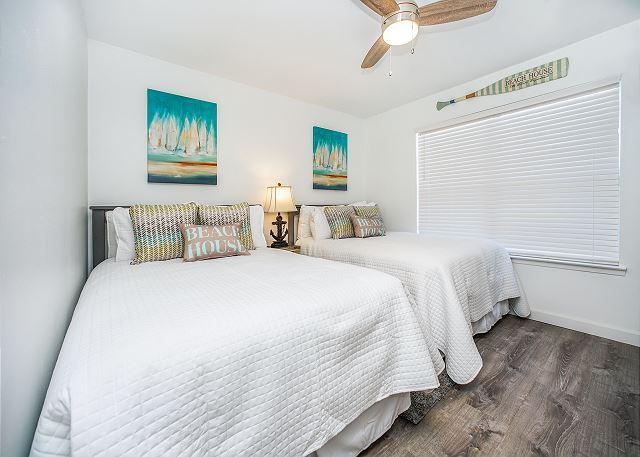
401	20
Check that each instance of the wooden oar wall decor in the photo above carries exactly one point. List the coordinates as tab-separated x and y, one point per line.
527	78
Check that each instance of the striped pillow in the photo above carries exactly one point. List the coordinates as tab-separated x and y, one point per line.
339	218
156	230
365	227
367	211
227	215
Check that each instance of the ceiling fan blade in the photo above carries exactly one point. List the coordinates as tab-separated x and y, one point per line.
377	51
382	7
453	10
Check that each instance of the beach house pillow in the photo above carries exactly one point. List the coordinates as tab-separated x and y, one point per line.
227	215
156	230
203	242
367	211
364	227
339	219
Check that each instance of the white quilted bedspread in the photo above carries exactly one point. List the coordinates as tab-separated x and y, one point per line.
270	354
451	281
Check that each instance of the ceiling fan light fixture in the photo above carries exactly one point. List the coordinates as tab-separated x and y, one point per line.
401	32
401	27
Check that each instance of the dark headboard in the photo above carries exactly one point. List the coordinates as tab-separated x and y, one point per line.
99	231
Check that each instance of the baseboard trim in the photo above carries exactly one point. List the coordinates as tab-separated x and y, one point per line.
592	328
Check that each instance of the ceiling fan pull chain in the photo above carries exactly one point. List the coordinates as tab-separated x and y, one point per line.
390	68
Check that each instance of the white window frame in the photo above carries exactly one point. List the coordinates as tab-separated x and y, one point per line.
618	269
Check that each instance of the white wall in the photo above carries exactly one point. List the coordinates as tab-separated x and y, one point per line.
263	137
596	303
43	198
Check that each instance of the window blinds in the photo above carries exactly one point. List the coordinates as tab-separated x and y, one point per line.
542	180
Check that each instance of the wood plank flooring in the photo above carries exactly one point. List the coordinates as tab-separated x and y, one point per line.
543	391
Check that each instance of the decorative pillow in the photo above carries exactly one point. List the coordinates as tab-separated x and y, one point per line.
203	242
364	227
227	215
367	211
156	230
339	218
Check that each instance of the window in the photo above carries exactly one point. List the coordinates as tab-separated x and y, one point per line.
541	180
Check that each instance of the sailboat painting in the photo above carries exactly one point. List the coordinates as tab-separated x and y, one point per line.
182	138
329	159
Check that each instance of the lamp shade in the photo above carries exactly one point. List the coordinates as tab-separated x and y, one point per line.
279	199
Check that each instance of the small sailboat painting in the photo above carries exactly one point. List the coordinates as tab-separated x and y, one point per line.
182	139
329	159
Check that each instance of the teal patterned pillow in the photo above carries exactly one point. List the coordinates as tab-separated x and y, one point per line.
227	215
156	230
339	218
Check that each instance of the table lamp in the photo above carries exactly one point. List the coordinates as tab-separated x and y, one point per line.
279	200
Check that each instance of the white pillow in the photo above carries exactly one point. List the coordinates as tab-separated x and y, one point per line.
124	235
256	217
304	221
112	240
320	229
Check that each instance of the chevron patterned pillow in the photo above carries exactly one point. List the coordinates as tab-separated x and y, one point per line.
227	215
339	218
367	211
156	230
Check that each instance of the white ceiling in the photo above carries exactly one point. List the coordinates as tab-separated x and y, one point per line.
311	50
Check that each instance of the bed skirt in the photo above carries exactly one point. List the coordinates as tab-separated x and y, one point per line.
367	428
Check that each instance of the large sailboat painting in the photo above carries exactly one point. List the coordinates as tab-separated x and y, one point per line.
329	159
182	138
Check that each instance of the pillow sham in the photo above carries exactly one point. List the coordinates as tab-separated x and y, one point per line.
364	227
202	242
339	219
227	215
256	220
112	240
320	229
125	242
304	221
156	230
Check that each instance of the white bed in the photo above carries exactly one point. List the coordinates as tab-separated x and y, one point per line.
460	286
268	354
